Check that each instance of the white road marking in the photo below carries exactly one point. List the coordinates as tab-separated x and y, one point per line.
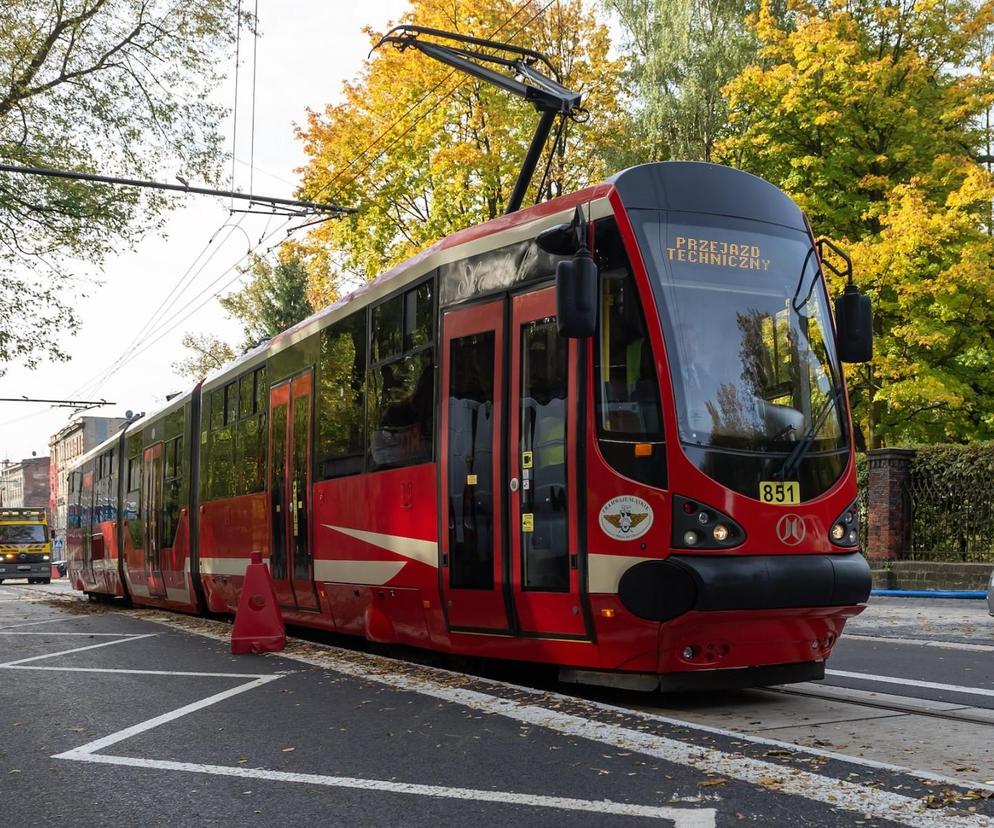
36	623
837	793
906	682
654	717
172	715
680	817
132	672
921	642
78	649
59	632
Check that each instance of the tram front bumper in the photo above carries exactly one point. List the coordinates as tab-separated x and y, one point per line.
749	619
667	589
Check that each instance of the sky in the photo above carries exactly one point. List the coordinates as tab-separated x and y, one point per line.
308	48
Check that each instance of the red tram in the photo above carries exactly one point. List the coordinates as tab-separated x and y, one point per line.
670	501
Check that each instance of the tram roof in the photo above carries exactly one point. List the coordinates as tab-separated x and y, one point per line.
96	451
519	226
674	185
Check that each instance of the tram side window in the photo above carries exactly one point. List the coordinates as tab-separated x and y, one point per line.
217	408
401	403
250	442
261	390
106	490
172	496
387	327
133	482
235	464
342	397
230	403
628	412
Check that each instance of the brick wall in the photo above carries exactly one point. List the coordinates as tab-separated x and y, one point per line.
930	575
889	503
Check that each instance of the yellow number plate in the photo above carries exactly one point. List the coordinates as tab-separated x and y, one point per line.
782	493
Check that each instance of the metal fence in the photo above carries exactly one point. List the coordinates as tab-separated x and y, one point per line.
862	502
952	503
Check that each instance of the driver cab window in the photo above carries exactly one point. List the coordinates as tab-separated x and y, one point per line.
628	412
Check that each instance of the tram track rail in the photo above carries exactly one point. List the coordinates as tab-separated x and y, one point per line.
898	704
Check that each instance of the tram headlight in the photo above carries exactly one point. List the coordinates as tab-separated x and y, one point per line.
699	525
845	529
46	557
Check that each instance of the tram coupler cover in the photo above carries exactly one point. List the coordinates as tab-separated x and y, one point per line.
258	626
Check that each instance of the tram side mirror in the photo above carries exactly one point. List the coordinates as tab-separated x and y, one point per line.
853	314
576	278
854	325
576	296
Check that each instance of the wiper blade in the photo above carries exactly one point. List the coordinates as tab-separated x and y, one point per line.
793	460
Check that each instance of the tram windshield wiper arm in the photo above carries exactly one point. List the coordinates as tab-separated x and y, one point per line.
793	460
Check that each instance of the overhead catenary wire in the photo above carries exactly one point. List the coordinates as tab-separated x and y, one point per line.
255	53
383	133
234	127
172	321
189	276
169	323
177	319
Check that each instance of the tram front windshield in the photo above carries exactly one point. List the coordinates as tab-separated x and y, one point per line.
748	336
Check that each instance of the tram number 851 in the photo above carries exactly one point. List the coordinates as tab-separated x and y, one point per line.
782	492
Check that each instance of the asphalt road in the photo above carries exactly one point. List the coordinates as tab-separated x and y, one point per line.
132	717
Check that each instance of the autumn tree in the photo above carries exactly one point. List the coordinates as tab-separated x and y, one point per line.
274	299
107	86
867	113
205	353
682	53
421	150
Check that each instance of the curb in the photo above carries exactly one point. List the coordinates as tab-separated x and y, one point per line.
930	593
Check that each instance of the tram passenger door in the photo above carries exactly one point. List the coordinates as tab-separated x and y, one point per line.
472	537
292	558
509	541
542	488
152	481
87	520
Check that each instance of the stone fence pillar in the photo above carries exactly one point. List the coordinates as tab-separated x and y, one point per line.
889	504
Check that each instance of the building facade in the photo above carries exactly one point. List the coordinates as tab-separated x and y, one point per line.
25	483
74	439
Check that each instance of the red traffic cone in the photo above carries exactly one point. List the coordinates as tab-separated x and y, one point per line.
258	626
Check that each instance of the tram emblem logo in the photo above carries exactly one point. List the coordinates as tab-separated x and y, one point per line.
790	529
626	517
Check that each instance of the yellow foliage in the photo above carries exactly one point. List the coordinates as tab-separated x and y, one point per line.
421	150
867	113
